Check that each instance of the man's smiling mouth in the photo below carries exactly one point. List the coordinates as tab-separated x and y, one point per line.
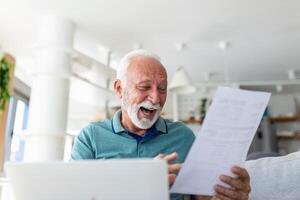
147	111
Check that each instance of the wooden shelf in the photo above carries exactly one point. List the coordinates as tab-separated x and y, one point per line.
291	137
192	121
285	119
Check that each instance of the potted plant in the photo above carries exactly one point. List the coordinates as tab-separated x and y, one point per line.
6	65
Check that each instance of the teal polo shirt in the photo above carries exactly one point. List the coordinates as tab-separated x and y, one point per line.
109	140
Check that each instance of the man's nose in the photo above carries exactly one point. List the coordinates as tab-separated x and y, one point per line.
154	96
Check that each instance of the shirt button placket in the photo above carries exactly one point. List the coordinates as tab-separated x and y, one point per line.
140	149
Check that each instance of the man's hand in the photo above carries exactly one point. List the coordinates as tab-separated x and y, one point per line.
172	168
240	185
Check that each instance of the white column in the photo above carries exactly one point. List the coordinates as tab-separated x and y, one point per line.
175	107
50	90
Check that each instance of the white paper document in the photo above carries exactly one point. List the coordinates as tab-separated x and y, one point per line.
224	140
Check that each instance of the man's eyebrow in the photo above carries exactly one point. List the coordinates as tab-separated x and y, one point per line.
142	82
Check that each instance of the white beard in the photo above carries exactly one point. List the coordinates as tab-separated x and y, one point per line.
132	111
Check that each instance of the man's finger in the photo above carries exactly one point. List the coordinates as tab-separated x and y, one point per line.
233	182
172	178
241	172
174	168
226	193
171	157
215	198
160	156
221	197
233	194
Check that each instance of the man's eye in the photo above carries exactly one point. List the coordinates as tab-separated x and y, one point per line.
162	89
143	87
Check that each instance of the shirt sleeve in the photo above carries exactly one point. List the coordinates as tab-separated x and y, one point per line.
83	145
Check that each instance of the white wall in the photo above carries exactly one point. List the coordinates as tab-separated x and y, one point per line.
284	104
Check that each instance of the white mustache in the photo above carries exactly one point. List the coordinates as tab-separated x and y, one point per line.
149	105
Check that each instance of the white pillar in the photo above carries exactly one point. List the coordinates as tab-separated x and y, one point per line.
175	107
50	90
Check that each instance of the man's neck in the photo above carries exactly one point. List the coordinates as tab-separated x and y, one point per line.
128	125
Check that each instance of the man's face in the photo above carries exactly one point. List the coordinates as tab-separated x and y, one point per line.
145	91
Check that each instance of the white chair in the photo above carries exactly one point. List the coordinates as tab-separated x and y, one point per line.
275	178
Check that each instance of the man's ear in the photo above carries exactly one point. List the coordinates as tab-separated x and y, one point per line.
118	88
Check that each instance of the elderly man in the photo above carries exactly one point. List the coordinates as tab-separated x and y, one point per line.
138	131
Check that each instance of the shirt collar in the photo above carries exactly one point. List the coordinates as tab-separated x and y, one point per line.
116	123
160	124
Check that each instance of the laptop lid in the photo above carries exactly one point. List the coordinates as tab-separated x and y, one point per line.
90	180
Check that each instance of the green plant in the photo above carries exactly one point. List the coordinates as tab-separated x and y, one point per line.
5	67
203	108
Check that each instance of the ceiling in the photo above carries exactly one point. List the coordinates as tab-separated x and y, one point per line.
263	35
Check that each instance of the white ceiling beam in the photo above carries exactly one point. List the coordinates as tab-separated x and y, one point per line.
89	62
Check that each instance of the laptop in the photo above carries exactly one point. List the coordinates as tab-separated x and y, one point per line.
131	179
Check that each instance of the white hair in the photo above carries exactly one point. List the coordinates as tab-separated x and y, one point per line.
125	61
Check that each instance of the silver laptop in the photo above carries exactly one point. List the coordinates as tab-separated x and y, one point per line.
90	180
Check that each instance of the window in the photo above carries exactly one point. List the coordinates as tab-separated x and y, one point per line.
17	122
